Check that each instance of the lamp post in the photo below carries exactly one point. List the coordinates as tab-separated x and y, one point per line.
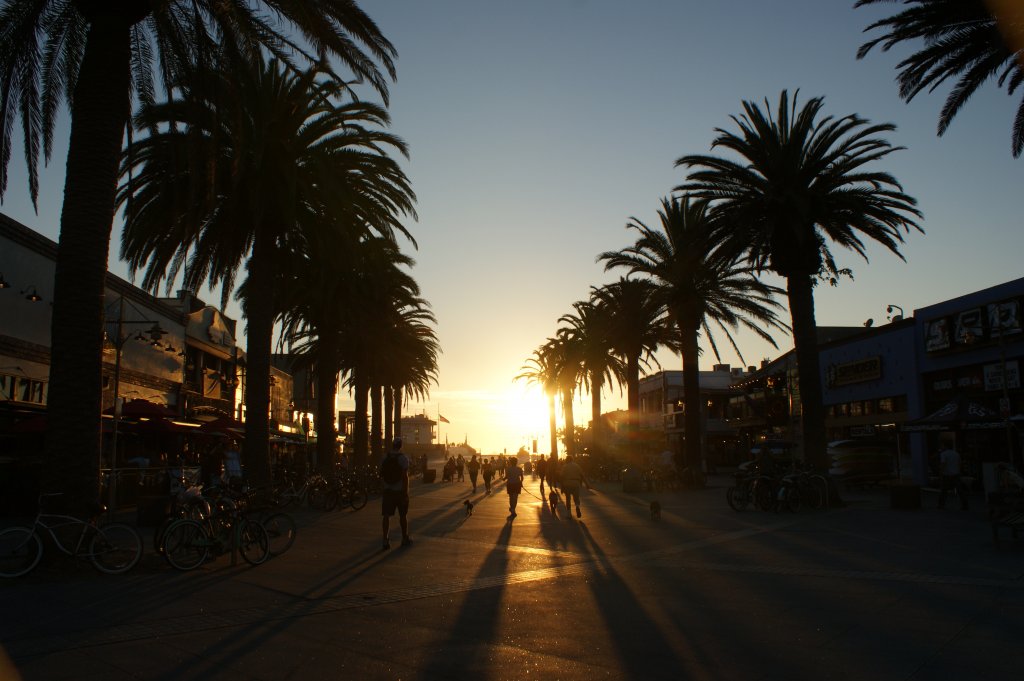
155	333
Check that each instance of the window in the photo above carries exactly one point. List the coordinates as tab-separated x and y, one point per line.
7	386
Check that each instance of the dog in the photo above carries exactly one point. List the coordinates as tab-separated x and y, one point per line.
655	510
469	507
553	501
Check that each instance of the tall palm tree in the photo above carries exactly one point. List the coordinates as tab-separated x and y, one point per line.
245	166
95	55
380	291
564	354
704	287
638	328
540	370
589	328
799	183
969	41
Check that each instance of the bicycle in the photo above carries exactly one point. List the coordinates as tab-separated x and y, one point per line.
314	490
188	543
112	548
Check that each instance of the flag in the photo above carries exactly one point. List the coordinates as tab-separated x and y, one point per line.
442	419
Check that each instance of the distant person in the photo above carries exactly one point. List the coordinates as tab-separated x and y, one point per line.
474	470
571	478
514	484
394	475
232	463
488	472
542	470
950	466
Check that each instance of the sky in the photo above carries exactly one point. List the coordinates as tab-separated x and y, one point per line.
538	128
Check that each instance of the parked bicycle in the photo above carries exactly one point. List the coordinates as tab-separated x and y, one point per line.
112	548
188	543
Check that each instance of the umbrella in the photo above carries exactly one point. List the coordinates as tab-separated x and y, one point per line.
223	424
959	413
139	408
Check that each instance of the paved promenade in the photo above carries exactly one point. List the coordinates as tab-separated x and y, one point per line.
861	592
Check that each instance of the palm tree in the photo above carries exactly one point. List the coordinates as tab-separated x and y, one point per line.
800	183
249	166
704	288
963	40
95	55
589	328
638	327
564	354
540	370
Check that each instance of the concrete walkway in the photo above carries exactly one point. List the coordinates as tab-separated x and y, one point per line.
861	592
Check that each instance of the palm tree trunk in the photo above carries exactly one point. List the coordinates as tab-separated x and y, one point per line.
570	426
327	385
99	111
397	419
596	426
692	452
389	410
360	429
633	394
552	426
376	418
260	315
805	339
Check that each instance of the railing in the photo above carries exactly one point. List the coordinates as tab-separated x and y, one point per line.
123	487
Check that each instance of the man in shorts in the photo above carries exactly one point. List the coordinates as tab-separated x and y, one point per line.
394	475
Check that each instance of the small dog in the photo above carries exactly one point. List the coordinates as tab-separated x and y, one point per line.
655	510
553	501
469	507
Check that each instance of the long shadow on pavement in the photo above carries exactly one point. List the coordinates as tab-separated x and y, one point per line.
463	656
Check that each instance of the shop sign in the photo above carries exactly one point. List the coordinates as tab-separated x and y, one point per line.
994	375
936	335
968	326
855	372
1004	318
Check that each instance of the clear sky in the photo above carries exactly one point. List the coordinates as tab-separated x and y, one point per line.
538	128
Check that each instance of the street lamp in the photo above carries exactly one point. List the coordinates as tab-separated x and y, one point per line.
155	334
891	317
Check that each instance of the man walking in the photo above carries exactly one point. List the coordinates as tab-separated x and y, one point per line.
949	469
394	475
571	478
514	476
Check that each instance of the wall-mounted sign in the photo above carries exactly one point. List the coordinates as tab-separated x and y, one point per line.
994	375
1004	318
969	327
936	335
855	372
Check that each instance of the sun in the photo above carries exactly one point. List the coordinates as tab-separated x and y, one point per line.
526	410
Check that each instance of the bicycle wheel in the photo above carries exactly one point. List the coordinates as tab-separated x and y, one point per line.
322	497
764	493
20	551
737	498
186	544
358	497
115	548
281	531
253	542
793	499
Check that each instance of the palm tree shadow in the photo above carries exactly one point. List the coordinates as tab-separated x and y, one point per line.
477	622
644	650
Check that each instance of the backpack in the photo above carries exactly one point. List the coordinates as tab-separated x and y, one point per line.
391	470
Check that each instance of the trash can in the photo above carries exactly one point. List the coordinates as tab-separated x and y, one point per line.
430	475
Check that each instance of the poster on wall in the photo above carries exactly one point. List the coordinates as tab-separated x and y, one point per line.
936	335
969	326
1004	318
